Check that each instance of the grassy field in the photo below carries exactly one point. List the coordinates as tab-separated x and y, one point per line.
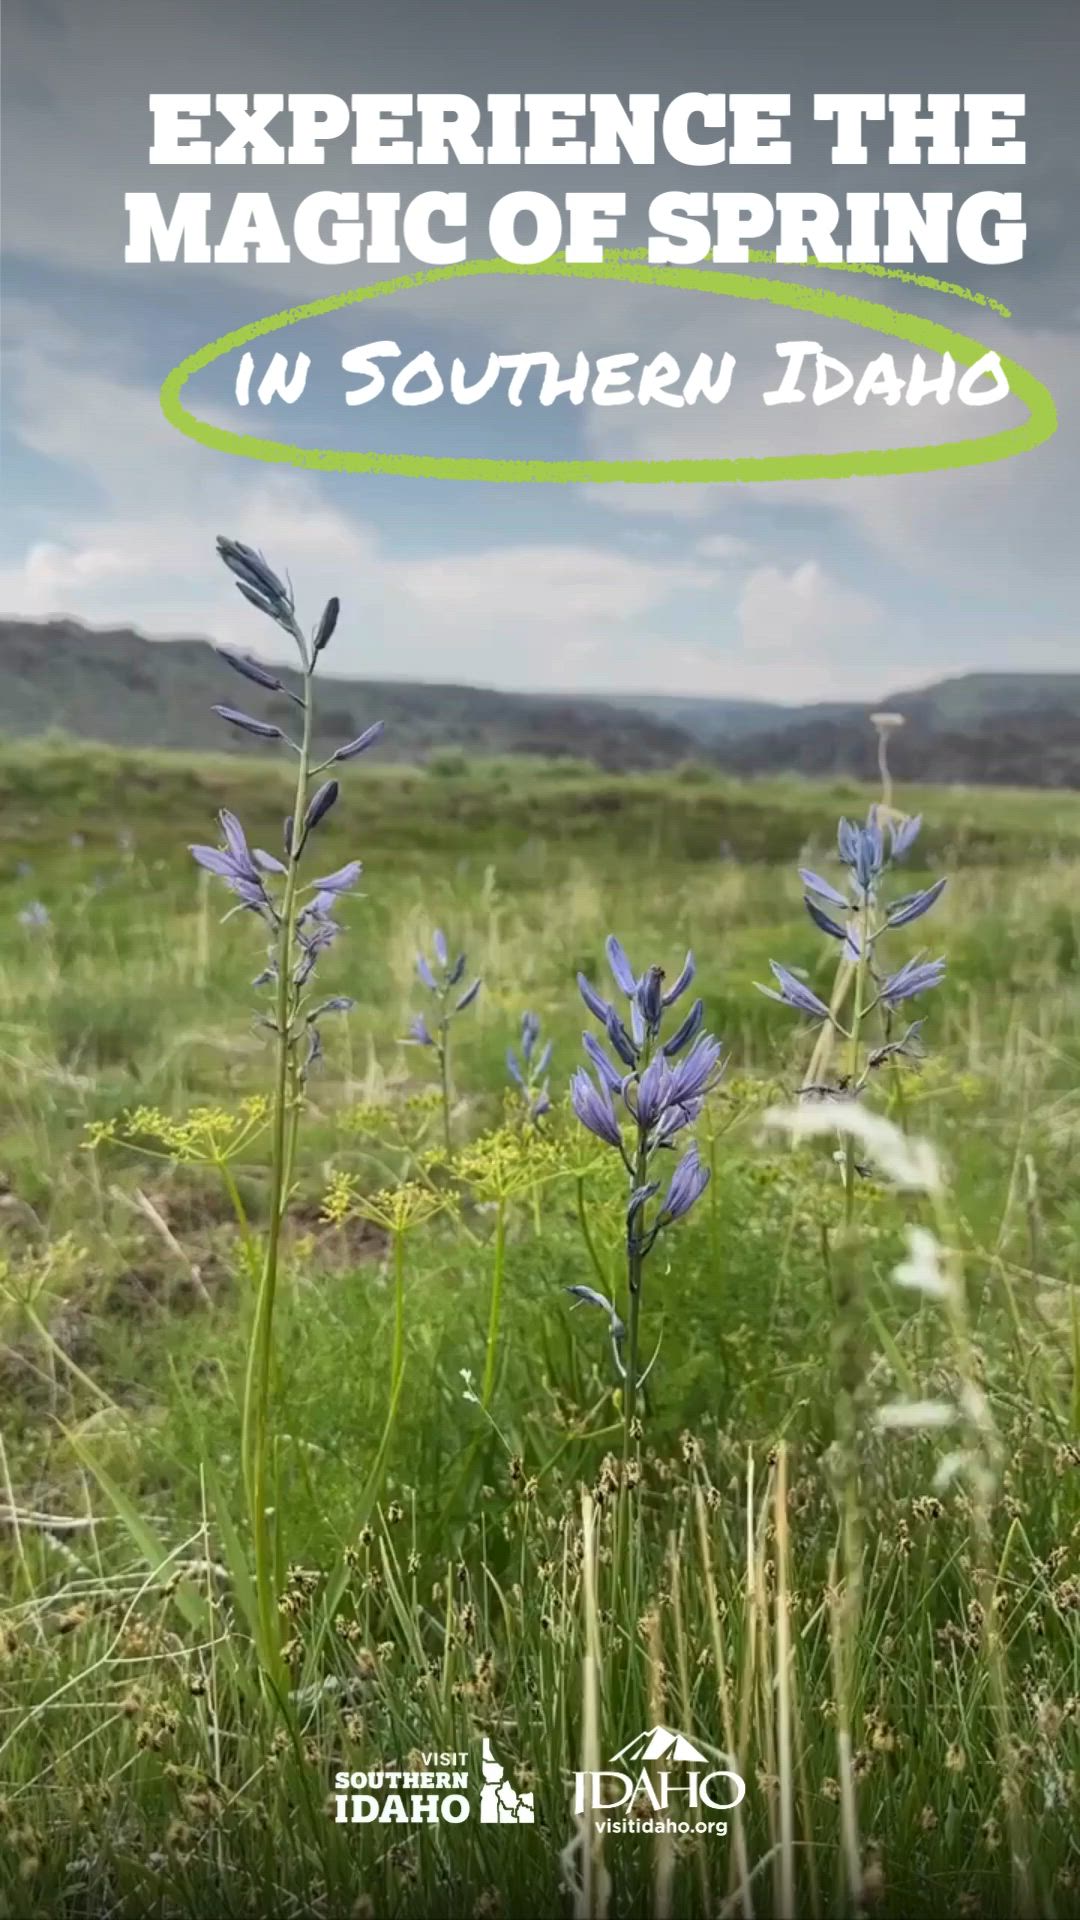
450	1570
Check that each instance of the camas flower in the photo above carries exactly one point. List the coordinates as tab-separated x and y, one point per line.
528	1070
793	992
258	582
688	1183
904	834
641	1100
249	669
442	977
236	865
686	1031
912	907
862	849
263	729
917	976
646	995
362	742
594	1108
342	881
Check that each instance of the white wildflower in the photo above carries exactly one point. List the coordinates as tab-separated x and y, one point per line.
909	1163
923	1271
952	1466
915	1414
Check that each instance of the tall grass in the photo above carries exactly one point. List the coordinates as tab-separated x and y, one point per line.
451	1564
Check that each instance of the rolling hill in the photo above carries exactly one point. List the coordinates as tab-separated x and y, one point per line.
117	687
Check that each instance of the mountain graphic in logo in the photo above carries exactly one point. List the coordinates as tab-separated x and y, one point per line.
659	1743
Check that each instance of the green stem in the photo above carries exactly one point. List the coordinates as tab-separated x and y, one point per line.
444	1080
50	1341
240	1211
496	1303
634	1267
256	1410
714	1209
397	1375
984	1449
586	1234
848	1338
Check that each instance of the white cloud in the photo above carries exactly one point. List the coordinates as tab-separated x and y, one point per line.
788	620
723	546
522	613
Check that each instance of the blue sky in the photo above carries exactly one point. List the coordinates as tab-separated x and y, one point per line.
798	591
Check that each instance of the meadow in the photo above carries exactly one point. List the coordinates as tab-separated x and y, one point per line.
463	1546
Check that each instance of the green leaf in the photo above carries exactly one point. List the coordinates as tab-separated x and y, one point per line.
157	1555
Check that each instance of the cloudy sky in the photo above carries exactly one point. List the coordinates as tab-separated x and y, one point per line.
792	591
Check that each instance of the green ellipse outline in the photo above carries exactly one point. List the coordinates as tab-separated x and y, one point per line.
867	314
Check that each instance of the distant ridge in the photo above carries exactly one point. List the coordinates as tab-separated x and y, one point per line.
116	686
120	688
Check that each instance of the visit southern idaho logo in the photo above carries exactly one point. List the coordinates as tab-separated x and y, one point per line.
441	1790
655	1784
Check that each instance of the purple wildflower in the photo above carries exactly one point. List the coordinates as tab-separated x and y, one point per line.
249	669
649	999
687	1030
589	1296
325	629
793	993
688	1183
268	861
258	582
319	806
682	981
622	971
528	1071
824	888
342	881
598	1007
821	919
235	864
862	849
912	907
263	729
601	1062
917	976
653	1092
696	1075
621	1040
659	1085
362	742
594	1108
903	835
441	980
